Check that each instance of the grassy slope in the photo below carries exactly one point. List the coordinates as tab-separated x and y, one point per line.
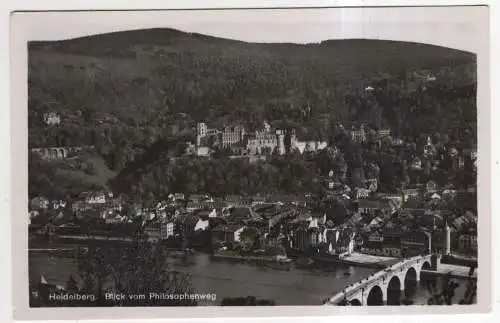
68	172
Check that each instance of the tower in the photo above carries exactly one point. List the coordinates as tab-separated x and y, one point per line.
293	140
201	132
280	142
448	238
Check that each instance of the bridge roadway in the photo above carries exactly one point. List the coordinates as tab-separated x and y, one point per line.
374	289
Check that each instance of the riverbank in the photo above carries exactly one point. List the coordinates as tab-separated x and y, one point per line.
247	258
452	271
357	259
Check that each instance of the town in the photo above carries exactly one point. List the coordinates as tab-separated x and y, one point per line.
418	219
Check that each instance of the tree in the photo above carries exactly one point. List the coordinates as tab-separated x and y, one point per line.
139	269
445	295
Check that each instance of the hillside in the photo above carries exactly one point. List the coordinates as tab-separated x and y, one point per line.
133	74
123	92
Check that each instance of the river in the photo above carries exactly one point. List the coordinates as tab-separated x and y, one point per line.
229	279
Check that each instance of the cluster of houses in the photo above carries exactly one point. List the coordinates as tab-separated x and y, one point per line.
413	221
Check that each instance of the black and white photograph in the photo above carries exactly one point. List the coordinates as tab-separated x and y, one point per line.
180	161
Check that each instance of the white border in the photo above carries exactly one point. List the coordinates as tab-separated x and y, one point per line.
34	5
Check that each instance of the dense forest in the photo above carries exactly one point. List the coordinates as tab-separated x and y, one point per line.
136	95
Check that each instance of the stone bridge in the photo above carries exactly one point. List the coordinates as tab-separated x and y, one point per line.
387	286
55	153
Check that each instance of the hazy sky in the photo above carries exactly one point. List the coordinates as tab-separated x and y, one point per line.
456	27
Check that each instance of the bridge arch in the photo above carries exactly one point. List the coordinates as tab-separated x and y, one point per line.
394	288
375	296
355	302
425	266
410	282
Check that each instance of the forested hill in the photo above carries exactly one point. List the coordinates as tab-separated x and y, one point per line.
136	73
124	91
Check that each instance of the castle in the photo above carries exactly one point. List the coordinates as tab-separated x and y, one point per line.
258	142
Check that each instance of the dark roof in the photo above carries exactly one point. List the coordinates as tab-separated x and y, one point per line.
227	227
189	220
371	204
205	212
239	214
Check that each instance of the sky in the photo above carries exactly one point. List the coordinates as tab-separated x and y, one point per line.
455	27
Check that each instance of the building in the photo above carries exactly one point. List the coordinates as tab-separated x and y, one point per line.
239	215
384	132
305	238
410	194
416	242
206	213
232	135
39	203
51	118
167	229
467	243
309	146
416	163
431	187
227	233
345	242
429	149
359	134
94	197
201	132
361	193
372	207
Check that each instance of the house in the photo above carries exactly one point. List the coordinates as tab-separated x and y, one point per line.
429	149
206	213
51	118
237	201
80	206
167	229
39	203
94	197
317	219
371	207
384	132
411	193
372	184
152	230
239	215
471	153
358	134
431	187
258	200
361	193
204	151
467	242
227	233
331	237
416	242
397	142
306	238
346	242
466	199
449	194
190	225
385	241
416	163
178	196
